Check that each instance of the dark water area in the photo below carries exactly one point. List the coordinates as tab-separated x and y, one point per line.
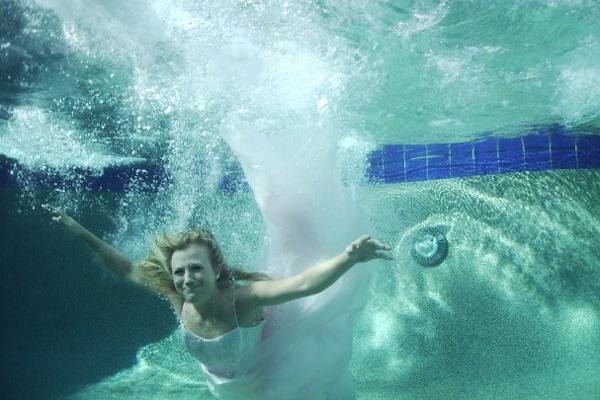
66	321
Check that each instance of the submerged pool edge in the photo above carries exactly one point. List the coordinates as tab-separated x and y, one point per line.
547	147
544	148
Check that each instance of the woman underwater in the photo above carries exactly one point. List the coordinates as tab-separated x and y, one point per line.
227	315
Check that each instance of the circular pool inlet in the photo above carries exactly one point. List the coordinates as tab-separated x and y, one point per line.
430	246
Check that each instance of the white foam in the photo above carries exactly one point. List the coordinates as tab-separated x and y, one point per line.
37	139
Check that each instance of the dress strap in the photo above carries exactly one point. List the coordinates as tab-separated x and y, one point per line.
234	313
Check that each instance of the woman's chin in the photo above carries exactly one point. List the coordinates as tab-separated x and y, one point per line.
193	295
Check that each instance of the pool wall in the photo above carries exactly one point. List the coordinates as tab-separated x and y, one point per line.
544	147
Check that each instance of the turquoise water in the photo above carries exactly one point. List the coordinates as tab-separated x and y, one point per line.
512	313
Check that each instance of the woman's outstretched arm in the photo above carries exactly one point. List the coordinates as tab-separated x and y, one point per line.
110	257
318	277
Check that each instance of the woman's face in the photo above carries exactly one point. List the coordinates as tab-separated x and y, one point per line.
193	273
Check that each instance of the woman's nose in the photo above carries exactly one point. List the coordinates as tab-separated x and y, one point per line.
189	278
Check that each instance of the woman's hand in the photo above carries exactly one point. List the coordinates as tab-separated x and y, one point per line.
63	219
366	249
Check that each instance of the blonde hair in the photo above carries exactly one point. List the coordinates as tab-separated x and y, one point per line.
156	269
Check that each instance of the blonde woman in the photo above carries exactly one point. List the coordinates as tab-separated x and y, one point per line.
222	310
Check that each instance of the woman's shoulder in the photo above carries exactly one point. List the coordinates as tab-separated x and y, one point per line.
246	308
241	291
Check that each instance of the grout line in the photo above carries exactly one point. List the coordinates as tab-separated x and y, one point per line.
576	153
426	161
550	151
524	159
404	160
450	158
498	156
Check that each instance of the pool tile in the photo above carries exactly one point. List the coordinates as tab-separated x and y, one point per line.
486	157
563	154
510	152
537	152
416	163
438	161
461	159
375	167
393	163
588	151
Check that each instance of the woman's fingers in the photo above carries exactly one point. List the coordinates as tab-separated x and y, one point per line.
380	245
368	239
361	240
50	208
368	244
385	256
57	215
381	250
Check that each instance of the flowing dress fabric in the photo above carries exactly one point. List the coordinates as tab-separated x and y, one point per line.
308	217
224	359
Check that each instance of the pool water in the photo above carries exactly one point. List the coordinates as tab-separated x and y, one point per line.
513	311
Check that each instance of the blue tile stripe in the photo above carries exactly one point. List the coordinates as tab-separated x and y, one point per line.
147	177
543	147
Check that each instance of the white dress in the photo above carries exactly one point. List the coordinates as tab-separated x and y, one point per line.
224	359
309	216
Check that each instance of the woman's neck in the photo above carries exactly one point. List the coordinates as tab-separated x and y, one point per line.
212	308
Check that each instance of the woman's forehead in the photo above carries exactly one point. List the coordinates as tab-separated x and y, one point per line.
193	252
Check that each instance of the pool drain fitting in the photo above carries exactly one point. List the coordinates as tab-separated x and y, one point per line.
429	247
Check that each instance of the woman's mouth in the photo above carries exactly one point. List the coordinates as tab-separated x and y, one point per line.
191	288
